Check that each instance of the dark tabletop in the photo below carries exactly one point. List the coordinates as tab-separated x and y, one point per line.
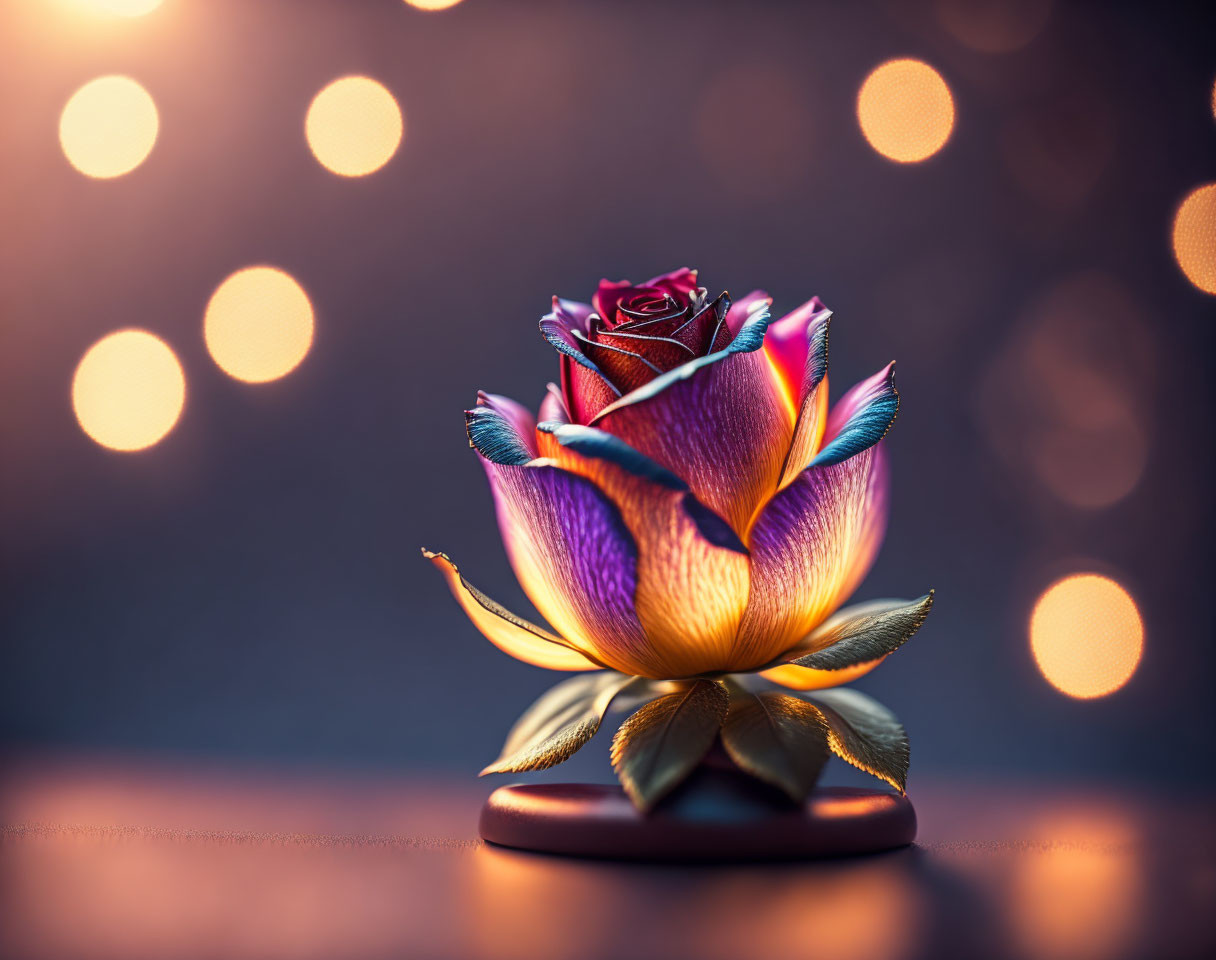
113	859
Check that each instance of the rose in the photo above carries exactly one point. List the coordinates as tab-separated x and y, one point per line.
687	505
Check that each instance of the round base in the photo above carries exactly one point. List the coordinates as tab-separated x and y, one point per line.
710	822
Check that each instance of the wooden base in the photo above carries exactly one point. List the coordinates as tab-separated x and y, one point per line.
714	818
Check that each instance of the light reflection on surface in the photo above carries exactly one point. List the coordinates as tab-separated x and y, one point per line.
432	4
1080	897
1194	237
905	110
161	863
128	390
258	324
354	126
108	127
1086	635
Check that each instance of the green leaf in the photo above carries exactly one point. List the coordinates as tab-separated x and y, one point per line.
777	738
659	745
862	633
865	733
563	719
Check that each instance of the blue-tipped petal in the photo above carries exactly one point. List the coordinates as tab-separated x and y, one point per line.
861	418
595	443
501	430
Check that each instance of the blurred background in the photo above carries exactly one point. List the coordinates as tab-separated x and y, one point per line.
209	529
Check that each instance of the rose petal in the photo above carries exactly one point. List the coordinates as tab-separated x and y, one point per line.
810	545
566	541
807	678
813	406
719	422
692	570
511	634
585	387
788	342
741	310
553	405
501	429
860	418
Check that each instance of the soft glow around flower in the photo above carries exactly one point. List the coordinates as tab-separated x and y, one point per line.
354	126
1195	237
1086	635
432	4
258	325
108	127
128	390
905	110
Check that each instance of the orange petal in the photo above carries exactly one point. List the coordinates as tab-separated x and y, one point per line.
692	575
511	634
807	678
810	546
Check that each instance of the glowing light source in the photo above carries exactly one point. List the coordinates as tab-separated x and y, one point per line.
1195	237
432	4
108	127
258	324
126	8
354	126
905	110
1086	635
128	390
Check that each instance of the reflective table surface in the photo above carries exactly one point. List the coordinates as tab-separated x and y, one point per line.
112	859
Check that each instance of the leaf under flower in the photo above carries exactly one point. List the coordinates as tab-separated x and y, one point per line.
861	634
559	723
778	738
658	746
865	733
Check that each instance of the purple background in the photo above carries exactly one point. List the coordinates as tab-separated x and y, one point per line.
250	588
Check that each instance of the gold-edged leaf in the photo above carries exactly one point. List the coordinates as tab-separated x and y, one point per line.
865	733
658	746
560	722
861	634
777	738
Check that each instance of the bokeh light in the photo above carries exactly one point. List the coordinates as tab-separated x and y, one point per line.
259	324
128	390
108	127
1086	635
432	4
354	126
1067	400
125	8
993	26
1195	237
905	110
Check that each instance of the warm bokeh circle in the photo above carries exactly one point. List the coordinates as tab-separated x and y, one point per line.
1194	237
905	110
128	390
258	324
108	127
354	126
1086	635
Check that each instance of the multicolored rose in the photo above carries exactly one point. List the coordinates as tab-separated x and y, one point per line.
684	508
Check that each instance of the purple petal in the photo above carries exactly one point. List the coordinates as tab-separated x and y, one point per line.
811	545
